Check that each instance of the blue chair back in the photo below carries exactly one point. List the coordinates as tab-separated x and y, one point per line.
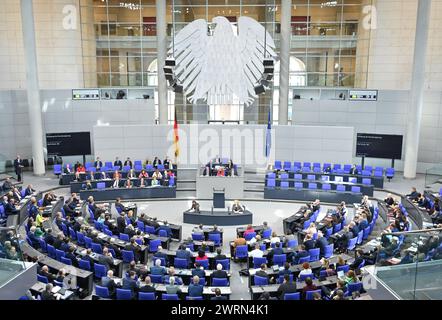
172	296
216	238
66	261
96	247
198	236
149	229
154	244
102	292
84	264
293	243
292	296
304	259
100	270
260	281
146	296
59	254
271	183
156	278
128	256
343	268
352	243
220	282
124	294
279	259
328	252
310	294
249	236
314	254
302	277
281	278
241	252
257	262
225	263
124	237
180	263
57	169
353	287
162	233
43	279
204	263
51	251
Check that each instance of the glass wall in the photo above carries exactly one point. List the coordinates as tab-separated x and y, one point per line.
329	45
410	264
11	258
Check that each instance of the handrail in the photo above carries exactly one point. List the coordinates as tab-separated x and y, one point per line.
414	231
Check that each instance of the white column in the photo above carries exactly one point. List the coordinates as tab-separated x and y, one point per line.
417	89
161	57
32	86
284	56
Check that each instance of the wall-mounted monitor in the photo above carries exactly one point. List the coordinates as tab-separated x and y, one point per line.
363	95
68	143
384	146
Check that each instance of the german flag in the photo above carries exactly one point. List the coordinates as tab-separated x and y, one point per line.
176	138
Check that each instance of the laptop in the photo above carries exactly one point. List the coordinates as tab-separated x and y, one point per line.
341	274
339	179
325	178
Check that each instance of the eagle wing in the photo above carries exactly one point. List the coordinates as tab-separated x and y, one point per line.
253	46
189	51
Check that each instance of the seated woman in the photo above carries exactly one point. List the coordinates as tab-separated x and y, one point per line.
201	256
155	182
87	185
116	177
131	174
221	172
237	208
311	229
128	184
143	178
157	174
68	169
80	170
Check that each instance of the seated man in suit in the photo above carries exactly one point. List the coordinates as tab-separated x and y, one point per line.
195	289
44	271
219	255
128	162
146	285
321	243
218	295
47	293
109	283
309	242
157	269
106	259
70	255
29	190
262	272
198	271
98	164
182	253
118	163
301	253
414	195
286	287
11	208
135	248
277	250
219	273
129	283
7	185
121	223
33	237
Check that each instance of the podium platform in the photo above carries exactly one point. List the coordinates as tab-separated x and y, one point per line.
220	217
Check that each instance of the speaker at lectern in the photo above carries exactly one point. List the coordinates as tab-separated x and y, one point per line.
219	198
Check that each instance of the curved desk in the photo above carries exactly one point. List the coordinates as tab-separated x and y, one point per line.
331	196
220	218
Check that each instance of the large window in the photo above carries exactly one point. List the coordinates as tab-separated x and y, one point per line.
329	45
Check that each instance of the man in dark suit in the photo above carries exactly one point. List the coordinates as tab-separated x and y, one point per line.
302	253
219	273
182	253
47	293
195	289
121	223
262	271
29	190
157	269
354	228
10	208
128	162
219	255
198	271
18	166
135	248
118	163
309	243
106	259
129	283
275	251
413	195
321	243
88	257
59	241
98	164
109	283
143	218
218	295
70	255
156	162
154	223
68	210
45	272
286	287
7	185
354	170
49	238
147	286
129	230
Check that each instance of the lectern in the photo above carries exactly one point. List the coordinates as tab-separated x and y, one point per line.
219	198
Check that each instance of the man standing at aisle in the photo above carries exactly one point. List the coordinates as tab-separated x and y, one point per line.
18	165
